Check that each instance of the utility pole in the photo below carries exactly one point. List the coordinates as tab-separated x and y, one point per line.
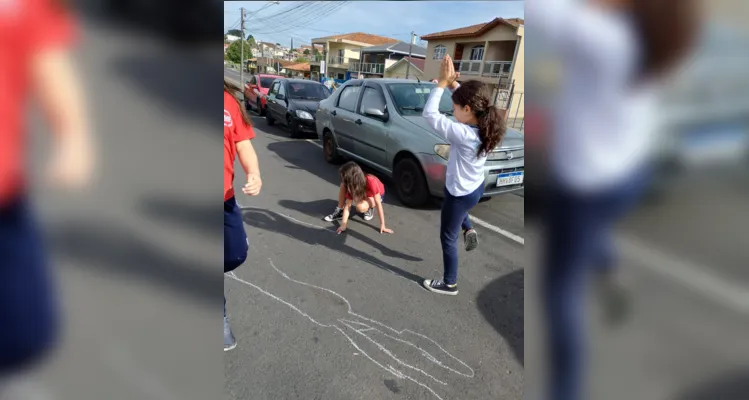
410	45
241	52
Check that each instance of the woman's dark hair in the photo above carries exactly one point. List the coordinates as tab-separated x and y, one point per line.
491	125
232	90
354	181
667	31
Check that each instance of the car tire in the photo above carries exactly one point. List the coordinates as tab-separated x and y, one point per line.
329	149
269	119
293	129
410	183
247	105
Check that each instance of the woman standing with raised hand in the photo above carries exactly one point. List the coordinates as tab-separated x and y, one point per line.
478	130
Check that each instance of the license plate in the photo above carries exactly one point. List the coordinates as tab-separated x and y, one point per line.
510	178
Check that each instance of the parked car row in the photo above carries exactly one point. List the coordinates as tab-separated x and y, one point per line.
378	123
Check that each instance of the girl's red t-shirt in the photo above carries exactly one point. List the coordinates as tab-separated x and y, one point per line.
235	130
374	186
27	27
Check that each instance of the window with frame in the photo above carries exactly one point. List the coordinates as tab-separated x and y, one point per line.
372	98
274	88
477	53
439	52
348	98
281	89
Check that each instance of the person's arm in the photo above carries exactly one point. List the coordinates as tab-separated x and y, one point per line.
446	128
59	90
346	214
381	214
248	160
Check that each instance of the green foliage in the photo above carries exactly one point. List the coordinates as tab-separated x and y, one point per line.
301	60
234	32
251	40
306	51
233	53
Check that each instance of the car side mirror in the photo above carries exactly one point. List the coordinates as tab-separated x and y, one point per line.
375	113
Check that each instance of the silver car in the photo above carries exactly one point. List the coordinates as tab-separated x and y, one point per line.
378	123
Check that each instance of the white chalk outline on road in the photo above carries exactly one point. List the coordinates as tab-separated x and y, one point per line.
479	221
361	327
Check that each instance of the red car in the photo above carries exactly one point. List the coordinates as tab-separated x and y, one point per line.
256	91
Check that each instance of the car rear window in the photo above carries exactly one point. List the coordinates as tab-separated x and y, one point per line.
265	82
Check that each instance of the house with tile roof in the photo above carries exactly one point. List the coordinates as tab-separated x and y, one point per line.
376	60
492	52
339	51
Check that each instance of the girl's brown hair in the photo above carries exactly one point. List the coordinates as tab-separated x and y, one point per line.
491	125
232	90
667	31
354	181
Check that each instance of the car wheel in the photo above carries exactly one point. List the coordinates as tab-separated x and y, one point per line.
410	183
329	149
247	105
292	127
269	119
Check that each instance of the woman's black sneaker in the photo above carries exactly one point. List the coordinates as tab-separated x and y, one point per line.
337	214
471	239
439	286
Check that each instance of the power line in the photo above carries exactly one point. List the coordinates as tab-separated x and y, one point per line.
294	21
308	18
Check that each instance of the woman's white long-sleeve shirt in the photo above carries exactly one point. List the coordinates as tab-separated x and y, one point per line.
602	122
465	171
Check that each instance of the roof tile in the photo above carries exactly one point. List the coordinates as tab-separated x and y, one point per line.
473	30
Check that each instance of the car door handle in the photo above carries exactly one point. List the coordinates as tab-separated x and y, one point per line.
333	113
358	122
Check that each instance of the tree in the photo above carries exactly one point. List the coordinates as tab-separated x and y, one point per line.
301	60
234	51
306	52
278	44
234	32
251	40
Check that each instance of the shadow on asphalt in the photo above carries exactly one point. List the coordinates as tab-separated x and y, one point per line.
205	218
114	251
310	158
502	304
727	386
274	222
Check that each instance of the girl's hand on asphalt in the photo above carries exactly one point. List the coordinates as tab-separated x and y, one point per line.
384	229
341	229
253	185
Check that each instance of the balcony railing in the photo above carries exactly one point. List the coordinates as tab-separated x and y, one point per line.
337	60
367	68
468	67
492	69
495	69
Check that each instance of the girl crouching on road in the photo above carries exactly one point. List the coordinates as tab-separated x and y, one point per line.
364	191
479	129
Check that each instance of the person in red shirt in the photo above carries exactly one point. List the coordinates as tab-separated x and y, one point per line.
237	135
35	41
363	190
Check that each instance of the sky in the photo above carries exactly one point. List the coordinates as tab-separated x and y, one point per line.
395	19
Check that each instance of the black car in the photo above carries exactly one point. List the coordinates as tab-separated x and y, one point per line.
294	103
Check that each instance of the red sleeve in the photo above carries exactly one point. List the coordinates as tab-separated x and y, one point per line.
52	25
242	131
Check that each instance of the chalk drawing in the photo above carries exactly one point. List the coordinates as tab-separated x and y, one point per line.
357	326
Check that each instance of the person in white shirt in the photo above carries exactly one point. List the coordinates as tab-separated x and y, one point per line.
478	130
613	54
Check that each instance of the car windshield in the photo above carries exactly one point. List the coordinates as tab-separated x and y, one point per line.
265	82
307	91
410	98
